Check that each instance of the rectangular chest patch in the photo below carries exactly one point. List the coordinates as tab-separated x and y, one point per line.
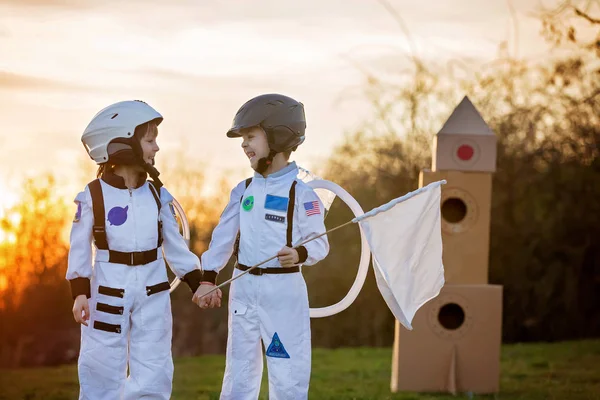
276	203
274	218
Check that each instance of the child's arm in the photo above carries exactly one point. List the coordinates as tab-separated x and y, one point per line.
180	258
79	270
223	237
311	221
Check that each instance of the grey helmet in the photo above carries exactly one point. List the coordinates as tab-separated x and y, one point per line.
281	117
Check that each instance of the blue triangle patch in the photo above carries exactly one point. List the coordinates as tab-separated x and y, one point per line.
276	348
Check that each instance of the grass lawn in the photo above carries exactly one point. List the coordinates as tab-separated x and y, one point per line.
561	371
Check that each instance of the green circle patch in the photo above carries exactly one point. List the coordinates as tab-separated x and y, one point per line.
248	203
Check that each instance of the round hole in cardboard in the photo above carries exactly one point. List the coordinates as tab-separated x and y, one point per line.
454	210
451	316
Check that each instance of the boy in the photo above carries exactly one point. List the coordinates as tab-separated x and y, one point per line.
272	212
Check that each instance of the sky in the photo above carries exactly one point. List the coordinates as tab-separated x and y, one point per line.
197	62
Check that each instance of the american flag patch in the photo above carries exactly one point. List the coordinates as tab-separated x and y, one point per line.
312	208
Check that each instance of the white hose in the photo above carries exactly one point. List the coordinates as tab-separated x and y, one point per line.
185	232
365	252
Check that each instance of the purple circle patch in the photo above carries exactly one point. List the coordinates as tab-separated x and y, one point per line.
117	215
78	213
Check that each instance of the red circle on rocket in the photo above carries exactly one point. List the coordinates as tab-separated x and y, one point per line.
465	152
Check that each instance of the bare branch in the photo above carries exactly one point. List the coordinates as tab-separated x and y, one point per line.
586	16
402	25
515	21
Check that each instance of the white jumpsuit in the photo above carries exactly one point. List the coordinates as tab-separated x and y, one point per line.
269	307
130	323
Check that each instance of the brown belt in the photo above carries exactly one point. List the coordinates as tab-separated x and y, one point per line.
261	271
134	258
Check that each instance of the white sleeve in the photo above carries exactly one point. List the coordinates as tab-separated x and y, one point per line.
79	269
224	236
310	217
180	258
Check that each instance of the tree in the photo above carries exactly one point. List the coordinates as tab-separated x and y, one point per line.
35	302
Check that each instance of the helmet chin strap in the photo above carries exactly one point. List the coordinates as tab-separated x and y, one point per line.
150	169
153	172
265	162
129	152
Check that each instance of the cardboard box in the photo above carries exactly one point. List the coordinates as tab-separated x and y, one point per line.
454	345
465	142
465	208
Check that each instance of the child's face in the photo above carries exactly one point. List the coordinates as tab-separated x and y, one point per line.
149	144
255	144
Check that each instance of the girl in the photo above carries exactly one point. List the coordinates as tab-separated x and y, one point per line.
123	301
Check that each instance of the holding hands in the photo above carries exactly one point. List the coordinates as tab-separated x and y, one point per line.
210	301
288	257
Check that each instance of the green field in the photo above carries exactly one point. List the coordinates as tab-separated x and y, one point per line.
561	371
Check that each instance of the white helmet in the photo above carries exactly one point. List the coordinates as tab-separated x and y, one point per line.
118	120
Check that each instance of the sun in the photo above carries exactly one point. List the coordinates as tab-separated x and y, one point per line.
7	199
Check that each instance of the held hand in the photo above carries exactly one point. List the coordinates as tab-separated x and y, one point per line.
288	257
210	301
81	309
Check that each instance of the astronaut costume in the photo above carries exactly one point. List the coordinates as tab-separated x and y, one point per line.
270	303
130	325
